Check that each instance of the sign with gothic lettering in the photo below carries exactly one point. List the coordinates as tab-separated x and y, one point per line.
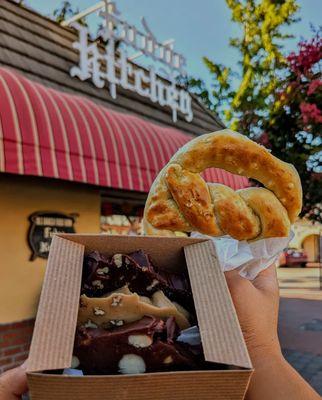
101	62
43	225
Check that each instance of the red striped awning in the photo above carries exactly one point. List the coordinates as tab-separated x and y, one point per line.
45	132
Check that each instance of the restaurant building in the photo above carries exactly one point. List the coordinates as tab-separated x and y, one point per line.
307	239
76	154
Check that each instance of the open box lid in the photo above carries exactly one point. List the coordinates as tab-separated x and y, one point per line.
221	335
53	338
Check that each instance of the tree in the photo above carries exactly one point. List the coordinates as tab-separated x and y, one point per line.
293	128
272	98
65	11
261	62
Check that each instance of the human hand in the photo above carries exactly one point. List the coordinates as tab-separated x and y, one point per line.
13	383
256	304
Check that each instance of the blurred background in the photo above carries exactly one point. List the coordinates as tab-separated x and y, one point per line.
87	120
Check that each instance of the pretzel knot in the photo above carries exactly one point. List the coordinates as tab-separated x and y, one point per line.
180	200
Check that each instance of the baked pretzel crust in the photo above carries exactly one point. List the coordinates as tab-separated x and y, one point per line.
180	200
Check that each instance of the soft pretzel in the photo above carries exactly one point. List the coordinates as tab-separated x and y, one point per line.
180	200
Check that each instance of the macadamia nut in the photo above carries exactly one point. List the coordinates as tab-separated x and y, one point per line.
140	341
132	364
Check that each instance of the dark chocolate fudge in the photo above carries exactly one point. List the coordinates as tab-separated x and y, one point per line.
146	345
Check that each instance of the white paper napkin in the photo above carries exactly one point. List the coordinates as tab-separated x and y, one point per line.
190	335
73	372
249	257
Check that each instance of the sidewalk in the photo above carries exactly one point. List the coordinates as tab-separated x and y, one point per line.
308	365
300	283
300	322
305	294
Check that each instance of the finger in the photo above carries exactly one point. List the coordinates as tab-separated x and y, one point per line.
13	383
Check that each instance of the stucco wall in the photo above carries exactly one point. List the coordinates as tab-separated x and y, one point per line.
302	229
310	245
21	279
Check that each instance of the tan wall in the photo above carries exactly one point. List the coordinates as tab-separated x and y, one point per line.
310	245
303	228
21	279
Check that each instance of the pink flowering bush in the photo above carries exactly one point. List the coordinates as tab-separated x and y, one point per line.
294	128
313	86
310	53
310	113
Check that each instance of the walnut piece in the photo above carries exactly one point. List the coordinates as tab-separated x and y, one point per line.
117	258
102	271
98	311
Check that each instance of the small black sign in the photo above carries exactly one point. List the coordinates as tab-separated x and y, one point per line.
43	225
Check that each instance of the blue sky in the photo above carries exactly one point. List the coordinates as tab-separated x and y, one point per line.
200	28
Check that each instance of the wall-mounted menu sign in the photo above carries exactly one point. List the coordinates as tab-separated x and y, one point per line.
43	225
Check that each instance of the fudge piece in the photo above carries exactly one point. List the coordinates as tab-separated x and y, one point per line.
131	315
125	308
142	346
102	275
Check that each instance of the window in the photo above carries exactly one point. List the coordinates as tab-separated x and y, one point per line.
121	218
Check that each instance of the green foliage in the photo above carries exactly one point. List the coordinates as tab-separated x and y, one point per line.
275	99
261	61
65	11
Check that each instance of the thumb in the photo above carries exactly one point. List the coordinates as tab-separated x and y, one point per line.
237	284
266	280
13	383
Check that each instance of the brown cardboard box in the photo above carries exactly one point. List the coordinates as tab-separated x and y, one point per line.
53	338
